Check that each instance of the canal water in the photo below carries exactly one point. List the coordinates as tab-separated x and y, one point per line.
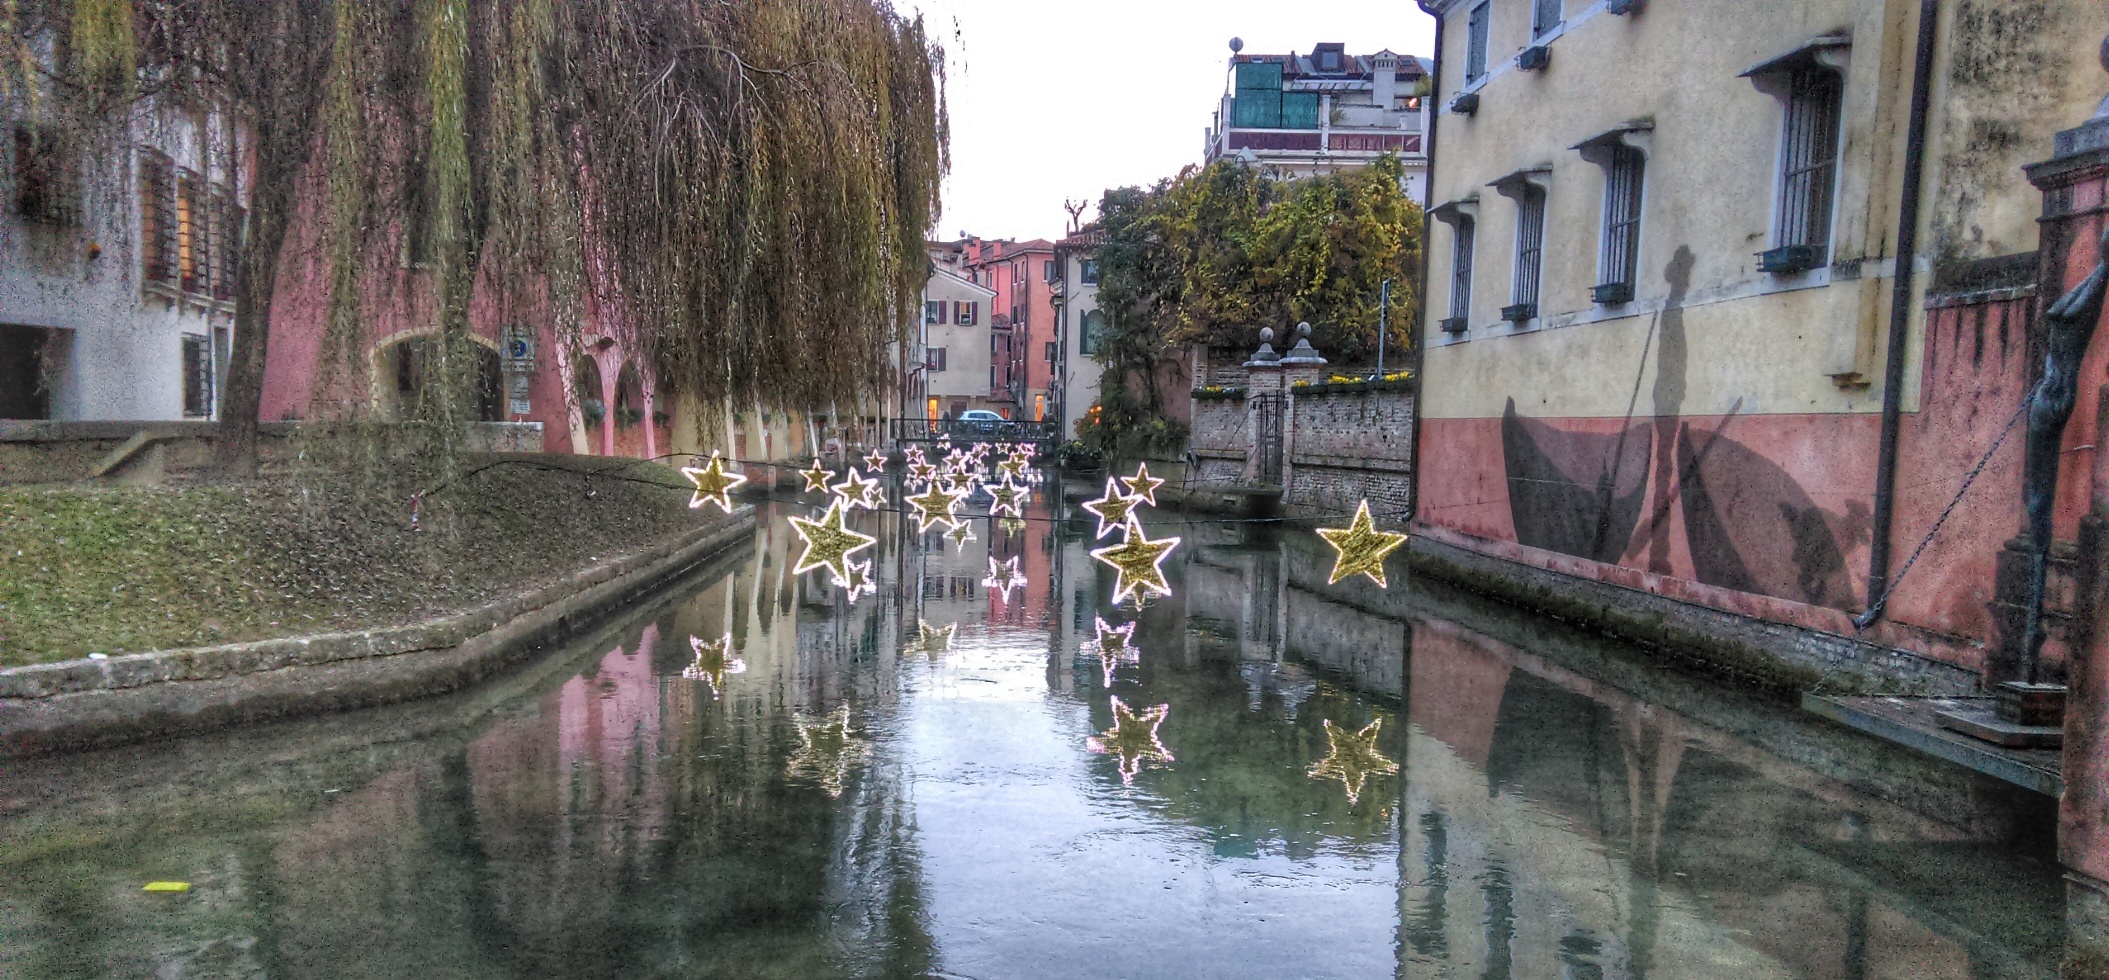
757	775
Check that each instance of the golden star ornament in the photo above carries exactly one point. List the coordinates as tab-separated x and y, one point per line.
1352	757
826	750
1112	509
714	659
713	484
874	461
959	537
1133	740
817	477
937	505
1011	525
921	471
1007	498
1139	562
1142	484
827	543
856	490
1361	548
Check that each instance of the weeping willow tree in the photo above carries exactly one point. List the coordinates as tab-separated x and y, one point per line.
744	186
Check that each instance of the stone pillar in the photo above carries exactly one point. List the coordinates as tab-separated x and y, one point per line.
1302	364
2075	184
1263	382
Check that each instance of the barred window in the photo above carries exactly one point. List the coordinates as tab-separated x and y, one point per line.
190	235
1476	43
1809	160
1545	16
47	178
1621	243
227	221
157	217
1462	234
197	376
1530	249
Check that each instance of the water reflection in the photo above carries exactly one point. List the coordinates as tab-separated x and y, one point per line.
1260	775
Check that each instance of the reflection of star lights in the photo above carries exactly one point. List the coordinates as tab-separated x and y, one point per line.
1360	547
1112	509
960	536
714	660
826	750
1133	739
1007	498
1011	525
713	484
827	543
817	476
1353	757
874	461
856	489
931	639
1004	577
938	505
860	582
1115	647
1142	484
1140	562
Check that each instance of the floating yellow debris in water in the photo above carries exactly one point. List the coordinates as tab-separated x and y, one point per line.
167	886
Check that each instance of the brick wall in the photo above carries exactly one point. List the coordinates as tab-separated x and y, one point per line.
1348	446
1218	440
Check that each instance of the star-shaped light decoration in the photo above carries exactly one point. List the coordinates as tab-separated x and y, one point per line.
713	484
960	535
1008	498
856	490
874	461
817	476
827	543
1142	484
938	505
931	639
1133	740
1004	577
826	750
1011	525
1361	548
913	453
861	582
920	471
714	659
1012	468
1112	509
1140	562
1353	757
1115	647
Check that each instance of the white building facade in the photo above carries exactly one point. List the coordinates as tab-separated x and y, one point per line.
117	267
955	344
1309	114
1078	323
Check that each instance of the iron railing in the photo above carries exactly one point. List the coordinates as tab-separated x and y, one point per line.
975	430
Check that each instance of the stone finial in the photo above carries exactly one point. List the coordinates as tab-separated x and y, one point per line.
1265	357
1303	353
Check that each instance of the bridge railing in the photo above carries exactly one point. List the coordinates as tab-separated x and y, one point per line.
975	430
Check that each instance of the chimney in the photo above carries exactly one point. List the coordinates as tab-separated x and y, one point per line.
1384	75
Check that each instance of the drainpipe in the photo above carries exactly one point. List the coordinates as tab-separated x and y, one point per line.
1878	552
1431	112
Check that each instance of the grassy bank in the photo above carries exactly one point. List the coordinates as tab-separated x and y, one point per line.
115	569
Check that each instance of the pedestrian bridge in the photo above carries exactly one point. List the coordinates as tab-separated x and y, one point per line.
1042	435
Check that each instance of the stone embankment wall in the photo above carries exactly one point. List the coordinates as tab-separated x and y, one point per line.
1220	441
1345	444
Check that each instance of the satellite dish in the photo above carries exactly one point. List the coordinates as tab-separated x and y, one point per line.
1237	44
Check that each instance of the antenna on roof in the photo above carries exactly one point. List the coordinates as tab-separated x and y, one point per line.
1237	44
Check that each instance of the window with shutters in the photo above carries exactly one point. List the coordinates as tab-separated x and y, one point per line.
1809	161
934	358
1476	43
197	376
1258	102
1530	254
157	217
1620	248
47	178
1461	241
966	314
1089	323
934	311
1545	15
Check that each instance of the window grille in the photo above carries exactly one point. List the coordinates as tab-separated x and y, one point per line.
1461	243
197	376
226	242
157	217
1545	15
1530	249
1621	244
189	236
1476	43
47	178
1809	161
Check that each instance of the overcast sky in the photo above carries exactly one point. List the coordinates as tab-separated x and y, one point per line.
1061	99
